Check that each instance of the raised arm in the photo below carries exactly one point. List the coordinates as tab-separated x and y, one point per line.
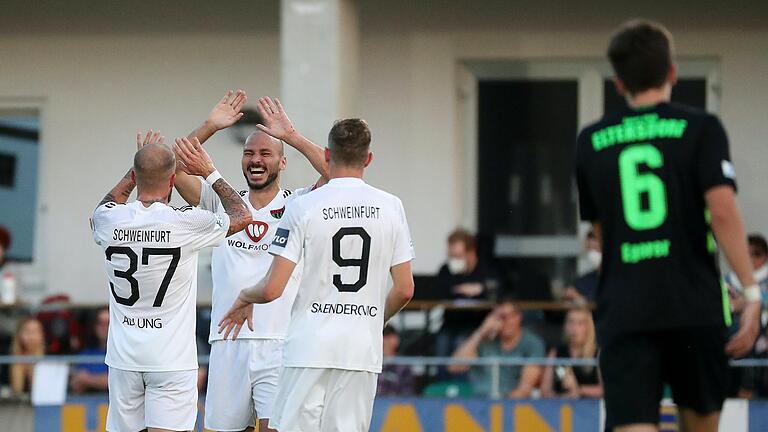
278	125
468	349
197	162
731	238
226	113
122	191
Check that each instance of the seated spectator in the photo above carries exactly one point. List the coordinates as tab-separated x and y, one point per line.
394	380
462	277
93	376
585	286
758	251
577	381
502	336
28	340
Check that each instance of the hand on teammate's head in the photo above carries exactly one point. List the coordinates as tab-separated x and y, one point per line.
194	159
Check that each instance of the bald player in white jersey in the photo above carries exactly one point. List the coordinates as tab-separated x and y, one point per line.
151	262
351	238
243	374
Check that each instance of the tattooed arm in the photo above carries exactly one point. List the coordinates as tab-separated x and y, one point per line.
196	161
125	186
121	191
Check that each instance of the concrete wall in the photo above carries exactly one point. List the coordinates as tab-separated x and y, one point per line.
98	84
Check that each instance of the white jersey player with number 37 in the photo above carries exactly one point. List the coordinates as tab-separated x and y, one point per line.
350	237
150	256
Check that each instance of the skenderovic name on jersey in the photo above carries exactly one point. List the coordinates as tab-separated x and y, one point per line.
349	236
642	175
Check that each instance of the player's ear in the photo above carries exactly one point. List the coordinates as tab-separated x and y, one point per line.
327	155
621	89
133	176
283	162
369	159
173	180
672	75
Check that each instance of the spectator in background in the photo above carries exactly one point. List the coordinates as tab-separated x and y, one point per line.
394	380
5	243
502	335
28	340
758	252
463	277
93	376
579	343
585	286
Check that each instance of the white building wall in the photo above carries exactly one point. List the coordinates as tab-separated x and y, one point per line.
96	91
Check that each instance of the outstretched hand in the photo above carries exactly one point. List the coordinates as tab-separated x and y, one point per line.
193	157
275	121
227	111
240	312
150	138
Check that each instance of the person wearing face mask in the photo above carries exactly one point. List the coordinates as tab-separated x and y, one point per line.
584	287
463	277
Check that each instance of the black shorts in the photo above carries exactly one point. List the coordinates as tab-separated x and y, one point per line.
635	366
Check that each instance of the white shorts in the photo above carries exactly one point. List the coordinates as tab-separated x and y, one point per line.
324	400
242	382
138	400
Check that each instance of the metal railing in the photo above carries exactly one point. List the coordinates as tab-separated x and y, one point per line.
494	363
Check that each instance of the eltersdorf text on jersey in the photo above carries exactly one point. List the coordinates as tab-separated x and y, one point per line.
147	236
351	212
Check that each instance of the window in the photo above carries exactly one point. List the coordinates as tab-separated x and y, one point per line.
19	139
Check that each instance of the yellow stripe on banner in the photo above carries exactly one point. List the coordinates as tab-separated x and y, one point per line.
566	418
668	427
527	419
73	418
497	418
102	426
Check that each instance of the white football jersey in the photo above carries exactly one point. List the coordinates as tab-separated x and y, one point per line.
242	259
349	235
151	263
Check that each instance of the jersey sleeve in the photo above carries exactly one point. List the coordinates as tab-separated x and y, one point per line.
587	207
99	220
403	248
209	199
289	237
714	166
203	228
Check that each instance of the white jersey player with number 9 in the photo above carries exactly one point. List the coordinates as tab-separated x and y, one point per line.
150	255
351	238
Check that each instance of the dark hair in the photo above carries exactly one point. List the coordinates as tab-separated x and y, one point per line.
389	330
5	238
463	236
758	242
350	141
641	55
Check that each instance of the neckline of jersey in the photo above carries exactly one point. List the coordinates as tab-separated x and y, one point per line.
346	181
270	205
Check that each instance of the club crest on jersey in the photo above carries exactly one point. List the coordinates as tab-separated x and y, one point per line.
256	230
277	214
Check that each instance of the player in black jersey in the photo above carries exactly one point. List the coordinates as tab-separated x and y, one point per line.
657	182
